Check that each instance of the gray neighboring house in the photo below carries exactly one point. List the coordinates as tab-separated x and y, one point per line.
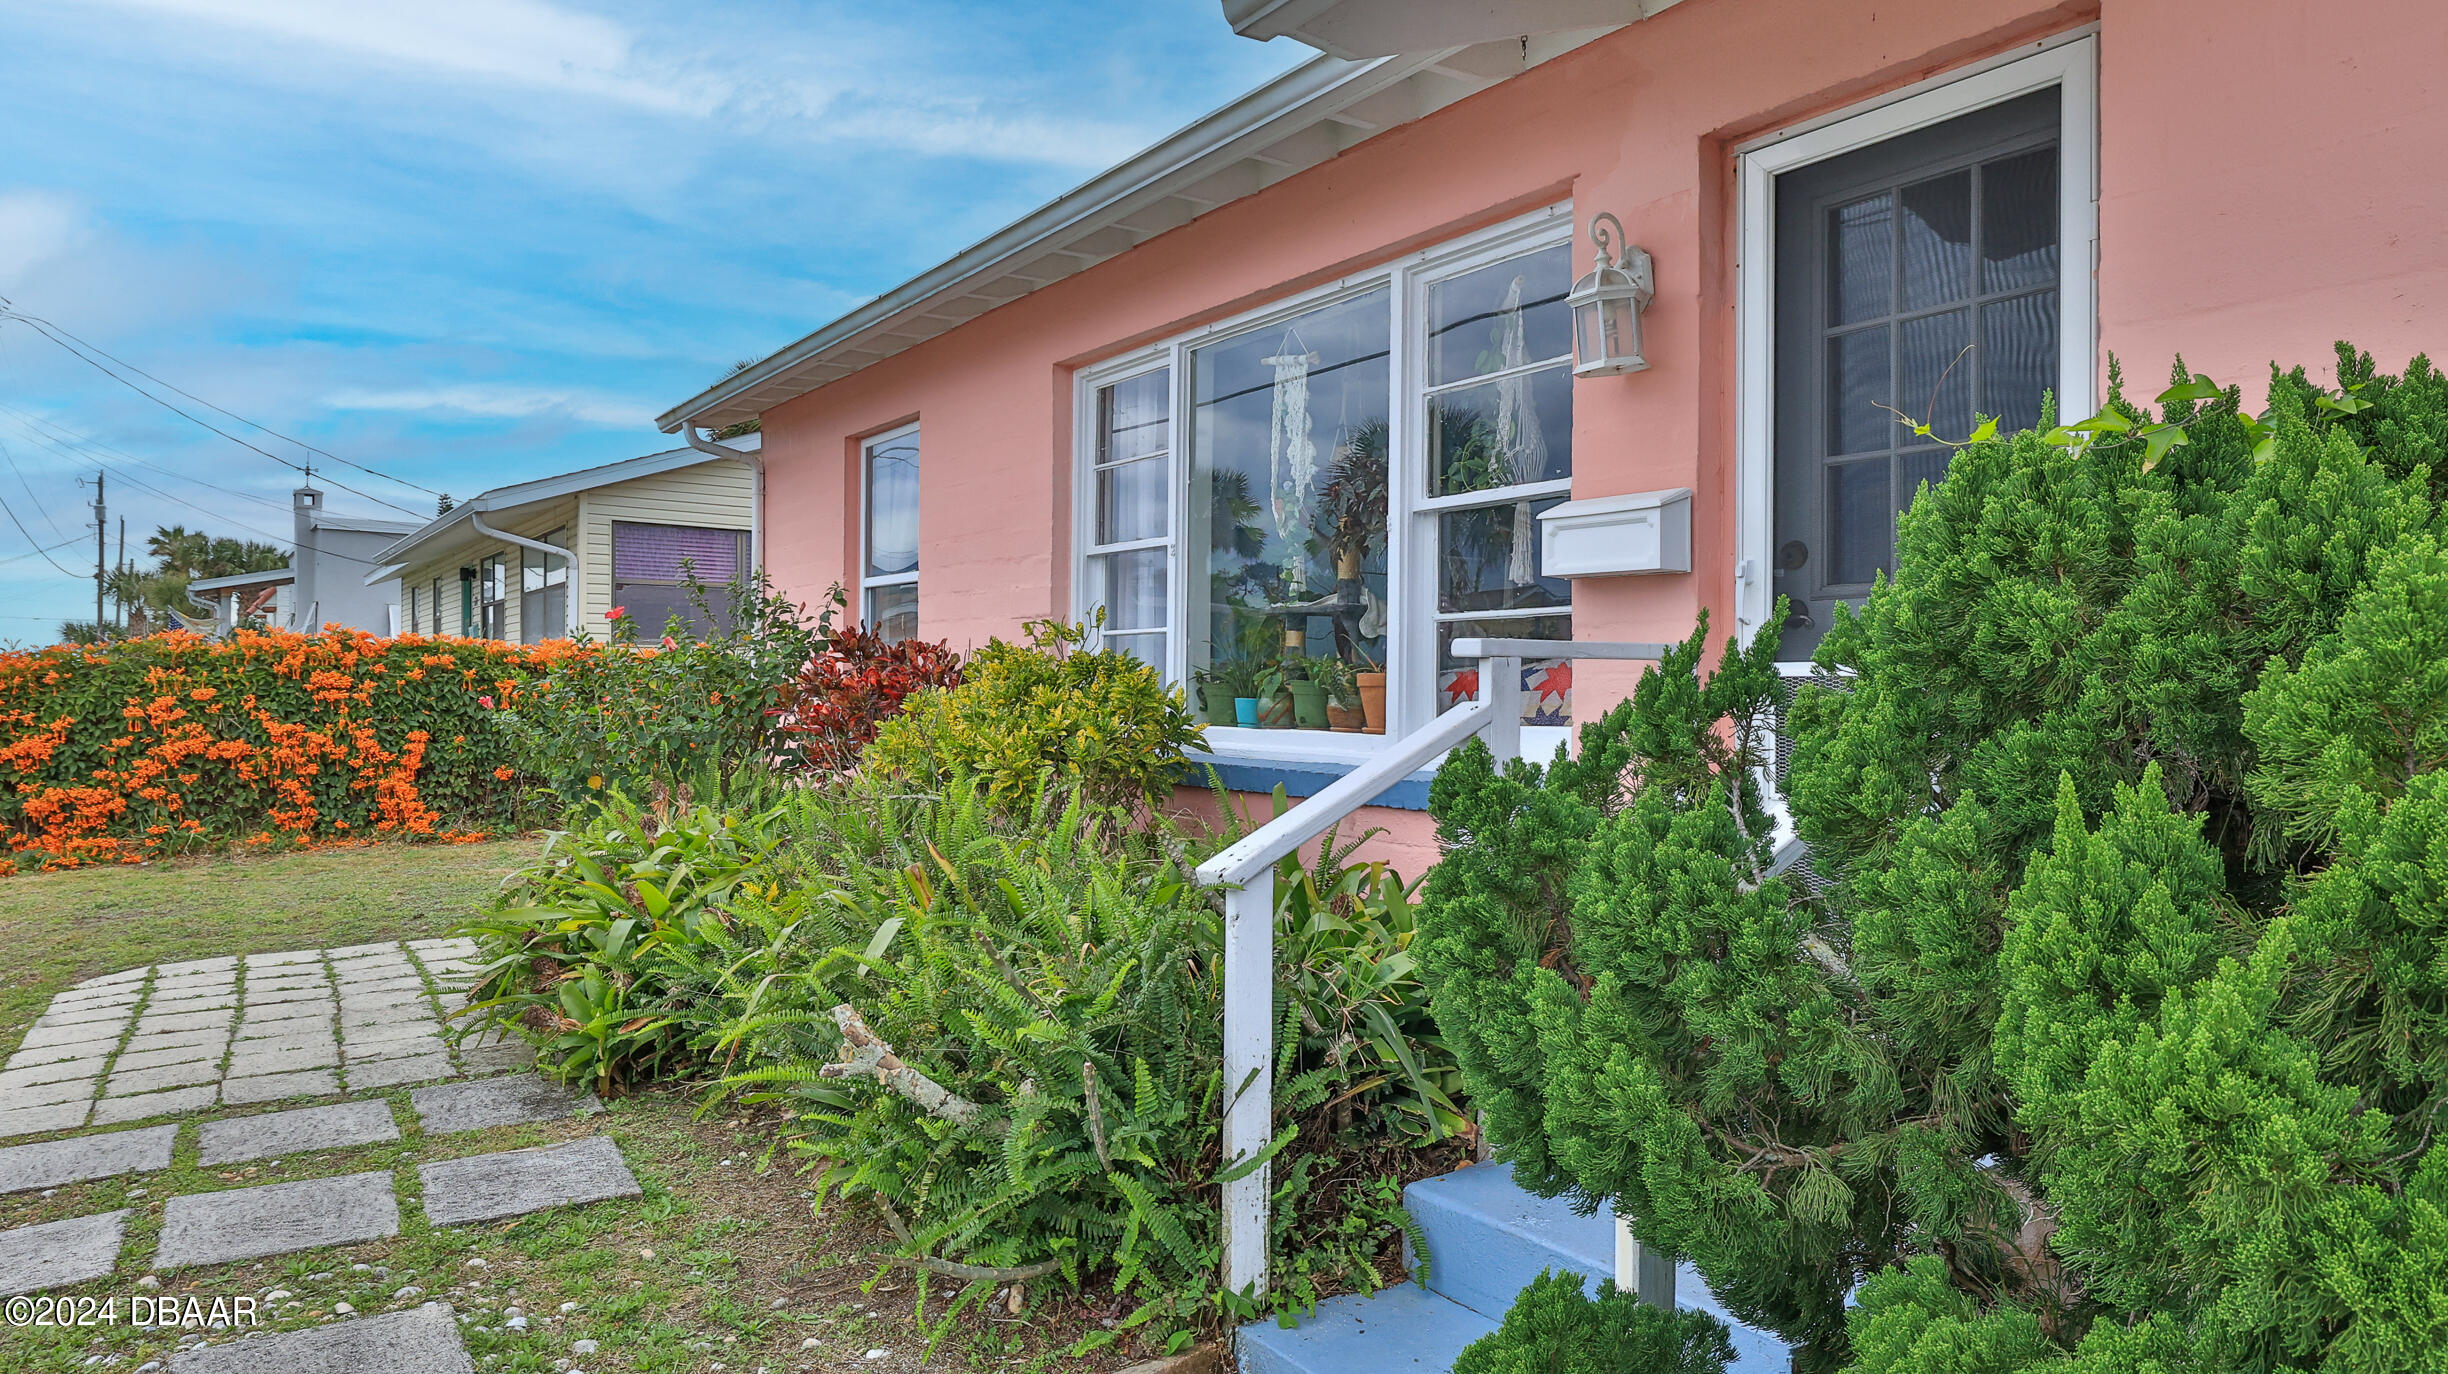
327	580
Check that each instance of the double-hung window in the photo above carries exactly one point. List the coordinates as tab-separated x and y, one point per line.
1130	535
888	568
492	597
544	592
1297	511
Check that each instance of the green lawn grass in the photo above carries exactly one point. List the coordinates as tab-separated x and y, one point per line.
58	928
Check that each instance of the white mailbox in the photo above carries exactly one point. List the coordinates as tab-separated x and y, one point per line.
1645	532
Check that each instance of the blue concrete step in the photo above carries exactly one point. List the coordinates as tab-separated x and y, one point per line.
1401	1330
1488	1237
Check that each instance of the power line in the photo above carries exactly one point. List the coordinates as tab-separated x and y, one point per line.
250	529
95	449
38	545
29	490
324	453
46	553
38	327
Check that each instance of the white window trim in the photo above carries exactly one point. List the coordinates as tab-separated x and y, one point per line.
2068	62
866	505
1410	637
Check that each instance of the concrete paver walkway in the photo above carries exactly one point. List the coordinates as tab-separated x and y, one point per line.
421	1340
181	1039
177	1038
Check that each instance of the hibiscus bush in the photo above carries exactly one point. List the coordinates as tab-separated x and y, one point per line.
173	743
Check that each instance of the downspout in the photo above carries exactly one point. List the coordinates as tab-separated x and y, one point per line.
756	495
569	566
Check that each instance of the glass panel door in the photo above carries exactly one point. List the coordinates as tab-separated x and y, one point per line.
1917	283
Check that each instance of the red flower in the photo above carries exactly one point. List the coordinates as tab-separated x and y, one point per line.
616	613
485	702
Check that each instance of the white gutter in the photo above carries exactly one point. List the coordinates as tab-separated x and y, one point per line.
705	443
569	566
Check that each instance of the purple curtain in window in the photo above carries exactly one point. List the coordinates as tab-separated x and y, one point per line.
653	553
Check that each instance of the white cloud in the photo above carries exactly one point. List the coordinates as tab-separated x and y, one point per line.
36	227
514	42
845	83
499	402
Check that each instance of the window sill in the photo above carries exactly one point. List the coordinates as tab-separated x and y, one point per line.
1301	778
1303	762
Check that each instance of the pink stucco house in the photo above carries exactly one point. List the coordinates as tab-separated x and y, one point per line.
1301	379
1306	380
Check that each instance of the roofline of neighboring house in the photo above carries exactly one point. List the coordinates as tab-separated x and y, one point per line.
267	578
1292	123
360	524
543	489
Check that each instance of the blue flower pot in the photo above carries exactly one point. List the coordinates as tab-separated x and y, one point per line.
1245	712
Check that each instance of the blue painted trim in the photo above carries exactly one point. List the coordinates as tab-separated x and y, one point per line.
1303	779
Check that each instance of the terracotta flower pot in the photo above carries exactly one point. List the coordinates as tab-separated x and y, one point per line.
1347	719
1372	701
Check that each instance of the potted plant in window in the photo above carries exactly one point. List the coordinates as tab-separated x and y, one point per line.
1215	693
1352	508
1370	684
1236	690
1274	698
1342	694
1308	692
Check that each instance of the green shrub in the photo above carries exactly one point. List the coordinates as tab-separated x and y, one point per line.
2107	1029
1053	972
1098	720
1555	1327
1357	1053
600	950
176	743
665	705
1054	975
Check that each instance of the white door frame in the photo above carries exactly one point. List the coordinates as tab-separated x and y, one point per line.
2068	62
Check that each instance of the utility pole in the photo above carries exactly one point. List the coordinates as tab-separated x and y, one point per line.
121	567
101	536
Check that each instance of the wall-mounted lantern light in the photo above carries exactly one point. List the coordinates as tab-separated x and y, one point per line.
1607	304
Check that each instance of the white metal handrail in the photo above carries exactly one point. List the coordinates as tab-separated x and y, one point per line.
1246	869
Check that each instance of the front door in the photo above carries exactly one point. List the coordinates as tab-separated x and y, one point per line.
1917	281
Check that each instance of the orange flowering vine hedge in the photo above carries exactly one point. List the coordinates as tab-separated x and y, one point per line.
173	743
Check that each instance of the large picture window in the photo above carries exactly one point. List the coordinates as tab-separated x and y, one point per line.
888	580
1297	512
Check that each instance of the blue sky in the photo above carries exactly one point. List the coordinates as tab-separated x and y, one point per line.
468	242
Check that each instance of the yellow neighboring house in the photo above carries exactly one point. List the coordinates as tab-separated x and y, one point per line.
532	561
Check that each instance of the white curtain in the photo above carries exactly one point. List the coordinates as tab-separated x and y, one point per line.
1519	440
1292	459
